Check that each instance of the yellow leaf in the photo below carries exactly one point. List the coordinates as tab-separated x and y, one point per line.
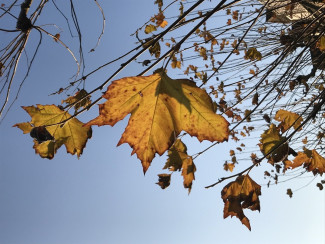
240	194
150	28
288	119
271	139
25	127
73	134
188	173
160	109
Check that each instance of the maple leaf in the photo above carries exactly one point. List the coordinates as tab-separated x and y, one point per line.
272	139
288	119
160	109
73	134
240	194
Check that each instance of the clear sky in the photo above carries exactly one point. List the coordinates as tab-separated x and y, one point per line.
103	197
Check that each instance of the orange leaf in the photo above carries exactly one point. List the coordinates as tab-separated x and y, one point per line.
298	161
288	119
310	159
317	163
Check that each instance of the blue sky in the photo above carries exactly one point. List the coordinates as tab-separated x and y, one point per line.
103	197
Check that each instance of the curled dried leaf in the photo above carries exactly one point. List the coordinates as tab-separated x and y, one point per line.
240	194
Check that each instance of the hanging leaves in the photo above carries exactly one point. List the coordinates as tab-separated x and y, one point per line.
73	133
238	195
160	20
160	109
288	119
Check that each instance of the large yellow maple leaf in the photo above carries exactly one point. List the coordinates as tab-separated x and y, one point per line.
160	109
73	134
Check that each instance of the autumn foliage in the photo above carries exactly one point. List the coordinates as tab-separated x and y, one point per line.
238	87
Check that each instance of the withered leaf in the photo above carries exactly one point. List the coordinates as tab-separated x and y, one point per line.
289	192
320	186
240	194
164	180
76	100
178	159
